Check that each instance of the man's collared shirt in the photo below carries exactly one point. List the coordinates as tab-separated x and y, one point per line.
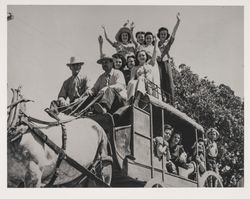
73	87
114	79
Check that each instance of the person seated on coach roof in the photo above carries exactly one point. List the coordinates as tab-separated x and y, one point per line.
72	88
111	85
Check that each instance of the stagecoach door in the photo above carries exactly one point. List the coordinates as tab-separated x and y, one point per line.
146	126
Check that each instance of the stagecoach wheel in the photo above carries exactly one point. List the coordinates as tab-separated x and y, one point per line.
106	173
103	171
154	183
210	179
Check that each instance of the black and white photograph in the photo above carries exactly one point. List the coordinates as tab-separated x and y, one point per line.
124	96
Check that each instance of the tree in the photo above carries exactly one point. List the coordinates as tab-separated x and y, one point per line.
214	106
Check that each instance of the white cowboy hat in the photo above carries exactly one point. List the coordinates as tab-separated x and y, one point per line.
104	57
74	61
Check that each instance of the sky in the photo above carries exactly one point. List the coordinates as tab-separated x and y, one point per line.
42	38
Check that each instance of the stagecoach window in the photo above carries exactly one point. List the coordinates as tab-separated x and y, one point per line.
157	121
187	130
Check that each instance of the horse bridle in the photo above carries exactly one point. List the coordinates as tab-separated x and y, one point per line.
11	136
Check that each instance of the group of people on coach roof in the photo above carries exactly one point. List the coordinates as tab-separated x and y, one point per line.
138	60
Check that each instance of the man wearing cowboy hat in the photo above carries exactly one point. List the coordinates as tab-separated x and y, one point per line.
73	87
109	84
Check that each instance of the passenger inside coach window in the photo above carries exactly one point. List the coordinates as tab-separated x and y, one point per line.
198	155
178	156
161	145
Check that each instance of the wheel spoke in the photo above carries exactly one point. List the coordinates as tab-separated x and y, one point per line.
211	179
206	183
216	183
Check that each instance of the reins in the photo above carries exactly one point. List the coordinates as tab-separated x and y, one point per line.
49	124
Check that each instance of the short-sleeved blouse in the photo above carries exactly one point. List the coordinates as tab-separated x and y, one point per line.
165	47
176	152
138	71
124	49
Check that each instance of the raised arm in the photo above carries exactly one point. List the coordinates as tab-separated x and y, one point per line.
172	38
132	26
153	59
106	37
100	41
176	25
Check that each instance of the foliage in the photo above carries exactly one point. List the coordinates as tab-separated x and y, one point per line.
214	106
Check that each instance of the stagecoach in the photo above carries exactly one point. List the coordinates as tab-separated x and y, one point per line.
130	135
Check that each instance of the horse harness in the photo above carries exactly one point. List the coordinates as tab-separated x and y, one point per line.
29	121
89	172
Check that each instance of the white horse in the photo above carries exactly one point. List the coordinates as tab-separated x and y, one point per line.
32	163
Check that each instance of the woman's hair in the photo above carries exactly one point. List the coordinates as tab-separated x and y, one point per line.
162	29
131	56
176	133
167	126
150	33
129	37
136	57
140	32
119	56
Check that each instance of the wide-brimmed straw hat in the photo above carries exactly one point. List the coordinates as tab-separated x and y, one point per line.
104	57
122	30
74	61
212	130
